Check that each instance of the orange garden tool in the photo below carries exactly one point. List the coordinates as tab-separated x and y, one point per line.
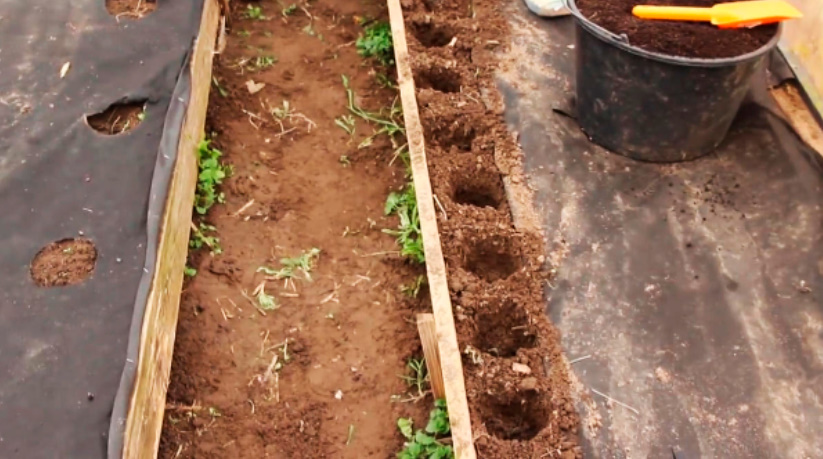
724	15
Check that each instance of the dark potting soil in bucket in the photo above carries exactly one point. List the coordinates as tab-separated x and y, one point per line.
661	91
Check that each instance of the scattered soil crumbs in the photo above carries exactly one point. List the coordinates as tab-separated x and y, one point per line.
134	9
118	118
316	372
65	262
516	380
675	38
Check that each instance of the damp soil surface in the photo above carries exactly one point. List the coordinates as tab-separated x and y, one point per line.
675	38
118	118
65	262
134	9
318	375
517	383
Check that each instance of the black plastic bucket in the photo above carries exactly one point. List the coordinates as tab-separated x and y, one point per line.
654	107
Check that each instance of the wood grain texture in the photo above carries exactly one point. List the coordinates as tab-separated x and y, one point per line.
148	399
451	364
428	337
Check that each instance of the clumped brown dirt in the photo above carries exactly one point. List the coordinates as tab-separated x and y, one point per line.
319	376
675	38
65	262
118	118
517	383
134	9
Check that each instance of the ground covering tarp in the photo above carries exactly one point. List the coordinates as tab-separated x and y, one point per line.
690	292
67	354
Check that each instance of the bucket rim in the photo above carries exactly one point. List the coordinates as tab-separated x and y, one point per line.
620	42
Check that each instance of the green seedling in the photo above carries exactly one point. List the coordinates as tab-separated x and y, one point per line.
244	33
426	444
413	289
223	92
292	266
289	10
389	124
266	301
255	12
385	81
345	161
417	376
346	123
188	271
310	31
200	238
408	233
263	62
376	42
141	116
214	412
283	112
212	173
403	154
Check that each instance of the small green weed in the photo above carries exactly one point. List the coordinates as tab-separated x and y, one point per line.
200	238
212	173
409	236
266	301
289	10
283	111
385	81
292	266
223	92
412	289
417	376
424	444
255	12
188	271
346	123
312	32
345	161
389	124
244	33
263	62
376	42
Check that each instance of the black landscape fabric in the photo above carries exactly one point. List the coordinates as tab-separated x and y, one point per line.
691	293
67	354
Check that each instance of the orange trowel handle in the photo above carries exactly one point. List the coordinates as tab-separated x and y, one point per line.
673	13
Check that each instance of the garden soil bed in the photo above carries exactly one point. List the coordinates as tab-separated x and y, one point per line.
516	379
675	38
295	186
303	196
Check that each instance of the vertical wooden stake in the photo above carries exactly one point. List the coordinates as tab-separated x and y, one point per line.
428	336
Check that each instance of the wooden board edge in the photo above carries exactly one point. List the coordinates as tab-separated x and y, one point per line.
427	329
451	363
148	398
806	76
790	100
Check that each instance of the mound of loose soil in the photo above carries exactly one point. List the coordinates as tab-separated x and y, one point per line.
675	38
516	382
